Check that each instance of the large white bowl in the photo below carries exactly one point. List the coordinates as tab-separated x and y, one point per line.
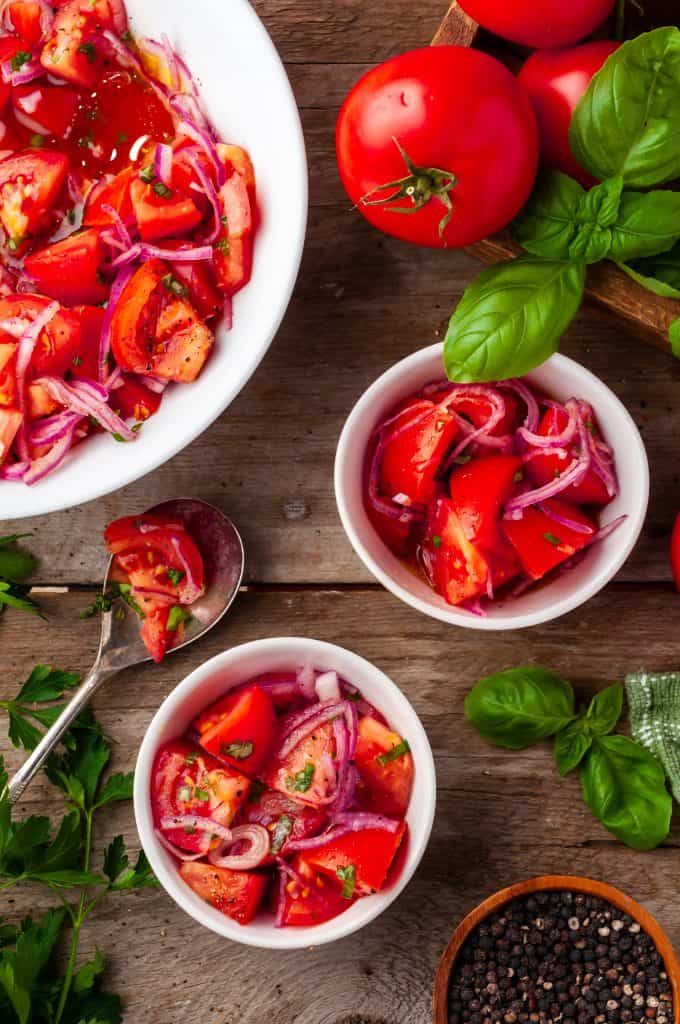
560	378
216	677
245	91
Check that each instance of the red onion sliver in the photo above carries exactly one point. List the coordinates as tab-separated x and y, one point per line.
196	821
327	687
105	339
47	463
202	138
256	854
119	226
356	821
570	524
162	163
211	195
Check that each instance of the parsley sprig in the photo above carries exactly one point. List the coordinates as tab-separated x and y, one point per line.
59	856
16	565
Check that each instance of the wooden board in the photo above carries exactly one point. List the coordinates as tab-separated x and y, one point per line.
362	302
607	287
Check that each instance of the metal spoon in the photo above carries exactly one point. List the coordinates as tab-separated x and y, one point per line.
120	645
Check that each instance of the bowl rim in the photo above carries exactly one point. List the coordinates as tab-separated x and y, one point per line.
95	485
578	883
284	938
502	622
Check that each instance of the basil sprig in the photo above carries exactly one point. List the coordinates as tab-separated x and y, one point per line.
626	132
623	784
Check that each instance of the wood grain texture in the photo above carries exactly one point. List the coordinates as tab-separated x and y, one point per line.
609	288
501	816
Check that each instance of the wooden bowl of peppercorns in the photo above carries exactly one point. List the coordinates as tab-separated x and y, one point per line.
558	949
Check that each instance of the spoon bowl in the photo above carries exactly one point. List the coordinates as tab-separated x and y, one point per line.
120	644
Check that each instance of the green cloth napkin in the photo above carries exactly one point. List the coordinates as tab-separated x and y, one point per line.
654	700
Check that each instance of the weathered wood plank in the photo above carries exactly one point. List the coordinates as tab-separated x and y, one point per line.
501	816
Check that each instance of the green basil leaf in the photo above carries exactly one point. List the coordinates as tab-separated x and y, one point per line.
547	224
571	746
651	283
520	706
625	788
647	224
605	710
511	318
600	204
674	337
628	122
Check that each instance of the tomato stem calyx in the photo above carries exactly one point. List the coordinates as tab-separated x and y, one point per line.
420	185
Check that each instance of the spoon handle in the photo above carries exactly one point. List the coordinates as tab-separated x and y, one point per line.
80	699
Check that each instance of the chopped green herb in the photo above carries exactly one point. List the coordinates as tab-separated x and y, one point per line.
589	425
348	877
162	190
239	749
189	830
100	277
397	751
14	244
20	58
173	285
223	246
283	828
224	219
126	36
184	793
557	473
119	613
85	142
552	539
90	51
201	794
147	174
77	360
176	617
301	782
175	575
436	541
256	791
462	460
354	697
36	141
71	216
122	137
104	602
518	477
192	757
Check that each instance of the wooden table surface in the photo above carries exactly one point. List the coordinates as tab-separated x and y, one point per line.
362	302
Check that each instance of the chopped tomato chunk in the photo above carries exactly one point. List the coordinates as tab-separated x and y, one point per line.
370	852
541	542
386	781
10	421
457	568
85	363
302	774
71	270
76	49
543	469
25	16
414	449
57	343
315	903
239	729
113	192
238	894
162	212
30	183
479	491
135	400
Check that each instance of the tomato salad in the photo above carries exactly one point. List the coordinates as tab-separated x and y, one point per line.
287	796
126	228
158	571
487	489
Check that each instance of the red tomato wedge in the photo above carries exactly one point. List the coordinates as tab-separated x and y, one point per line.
9	47
556	81
162	213
457	568
300	819
238	894
199	280
58	341
30	183
479	491
85	362
543	469
187	781
10	421
76	49
45	109
156	633
157	555
71	270
154	332
541	542
233	252
113	192
370	851
301	774
25	16
386	783
675	551
239	729
135	400
318	902
413	453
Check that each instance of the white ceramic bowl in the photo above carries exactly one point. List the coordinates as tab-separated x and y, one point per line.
245	92
559	377
214	678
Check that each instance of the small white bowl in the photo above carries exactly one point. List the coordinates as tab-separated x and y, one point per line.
559	377
214	678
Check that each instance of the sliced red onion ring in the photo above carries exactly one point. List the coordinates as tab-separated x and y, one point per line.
203	139
567	521
281	904
357	821
327	687
305	679
319	716
573	475
258	839
105	339
162	163
191	591
28	72
118	224
188	109
536	453
149	593
152	383
211	194
47	463
565	437
30	123
196	821
27	343
520	388
52	428
80	399
175	850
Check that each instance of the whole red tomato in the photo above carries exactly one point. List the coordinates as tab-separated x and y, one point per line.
556	80
438	146
540	22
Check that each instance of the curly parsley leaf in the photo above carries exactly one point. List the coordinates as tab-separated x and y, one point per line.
22	967
43	684
16	565
117	787
120	875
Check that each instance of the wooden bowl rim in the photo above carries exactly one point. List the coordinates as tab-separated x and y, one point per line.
576	883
